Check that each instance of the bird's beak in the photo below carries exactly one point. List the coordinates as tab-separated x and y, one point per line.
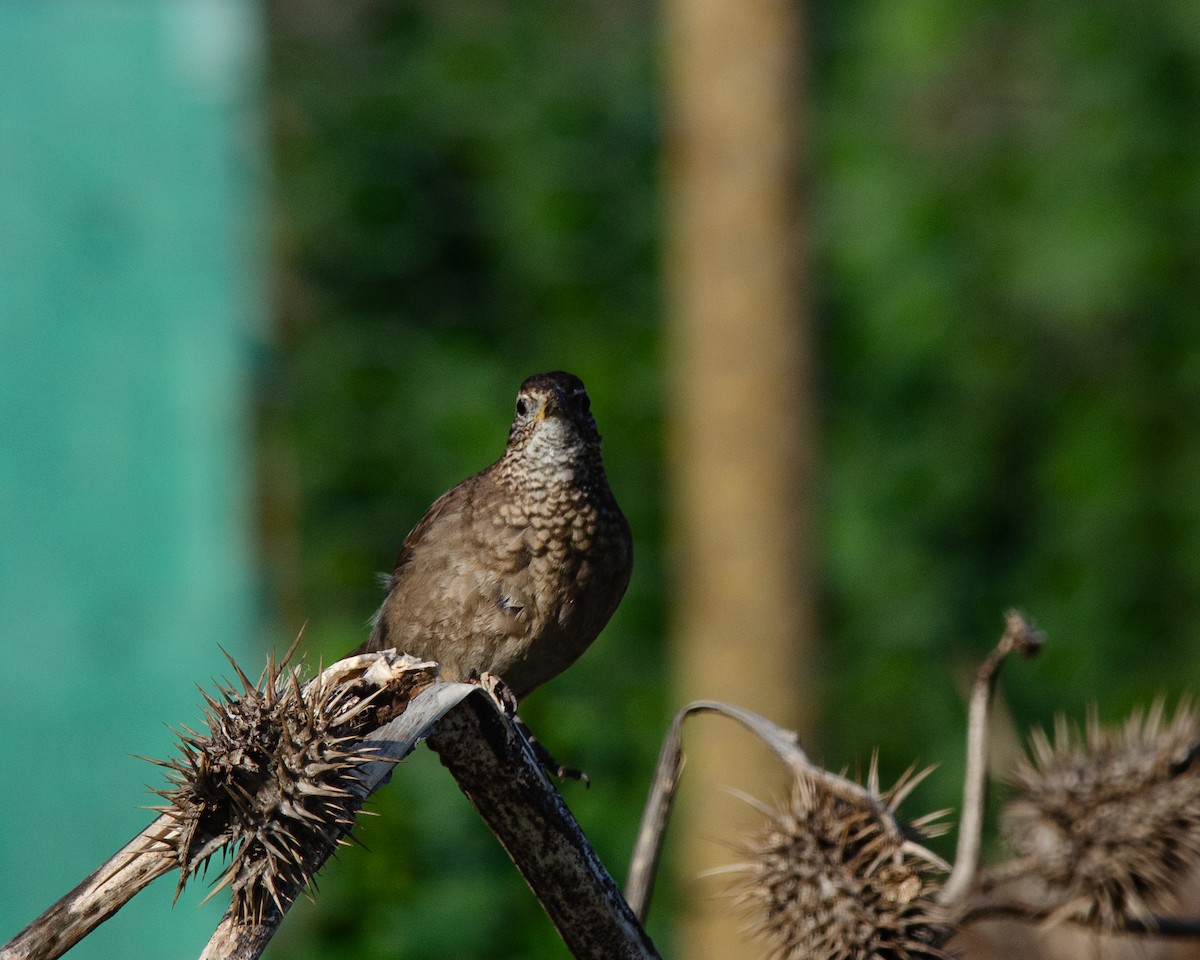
555	403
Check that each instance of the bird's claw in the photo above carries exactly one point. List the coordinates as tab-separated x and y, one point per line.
497	689
570	773
502	693
548	762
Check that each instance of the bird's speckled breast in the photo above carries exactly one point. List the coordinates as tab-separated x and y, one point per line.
576	567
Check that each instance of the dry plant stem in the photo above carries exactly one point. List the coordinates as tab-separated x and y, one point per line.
1159	927
1018	636
497	769
242	940
648	847
96	899
147	856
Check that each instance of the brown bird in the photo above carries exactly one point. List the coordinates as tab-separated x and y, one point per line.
516	570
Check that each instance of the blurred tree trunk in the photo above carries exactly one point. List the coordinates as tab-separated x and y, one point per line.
743	424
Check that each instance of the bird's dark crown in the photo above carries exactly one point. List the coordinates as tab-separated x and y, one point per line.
567	382
566	388
555	393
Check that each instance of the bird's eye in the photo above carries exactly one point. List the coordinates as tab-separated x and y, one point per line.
522	407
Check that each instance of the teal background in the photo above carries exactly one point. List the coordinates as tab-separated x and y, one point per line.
130	241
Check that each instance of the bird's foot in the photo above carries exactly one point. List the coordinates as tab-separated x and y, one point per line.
568	773
502	693
551	765
498	690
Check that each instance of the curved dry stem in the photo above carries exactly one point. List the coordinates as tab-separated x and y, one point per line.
1018	636
647	851
1153	926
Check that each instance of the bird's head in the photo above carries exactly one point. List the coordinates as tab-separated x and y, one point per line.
553	426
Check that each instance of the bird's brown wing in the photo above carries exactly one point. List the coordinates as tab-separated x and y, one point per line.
452	499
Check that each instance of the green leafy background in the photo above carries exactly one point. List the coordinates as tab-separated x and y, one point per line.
1004	225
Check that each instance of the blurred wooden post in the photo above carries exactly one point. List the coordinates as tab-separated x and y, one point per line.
743	423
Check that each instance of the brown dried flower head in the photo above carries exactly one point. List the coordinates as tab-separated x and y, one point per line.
268	785
832	874
1108	822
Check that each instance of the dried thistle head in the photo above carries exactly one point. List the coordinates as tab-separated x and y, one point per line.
1108	822
832	873
269	784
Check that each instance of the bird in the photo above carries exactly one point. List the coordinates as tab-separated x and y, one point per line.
515	571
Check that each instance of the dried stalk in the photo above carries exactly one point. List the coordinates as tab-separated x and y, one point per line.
153	852
1104	825
496	767
1018	636
1153	926
784	743
110	887
238	938
494	764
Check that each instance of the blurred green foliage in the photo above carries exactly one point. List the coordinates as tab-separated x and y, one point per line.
1005	219
1008	203
467	196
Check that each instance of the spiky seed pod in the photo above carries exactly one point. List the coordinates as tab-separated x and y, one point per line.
1109	821
269	784
832	874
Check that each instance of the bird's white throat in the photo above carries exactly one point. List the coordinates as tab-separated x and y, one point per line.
554	449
